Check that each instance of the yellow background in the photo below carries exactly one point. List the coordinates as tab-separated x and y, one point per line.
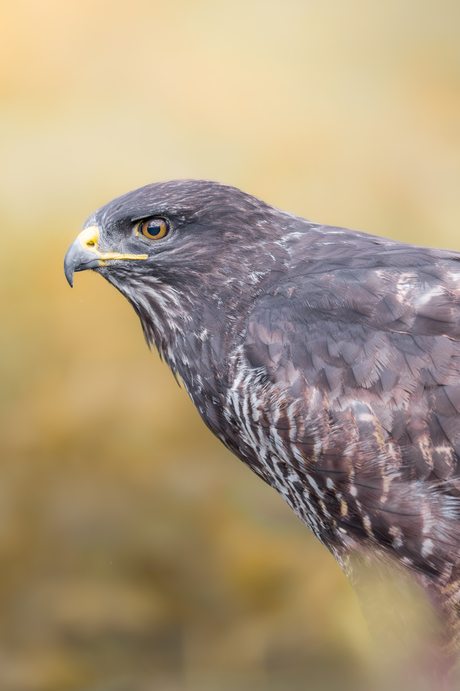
136	554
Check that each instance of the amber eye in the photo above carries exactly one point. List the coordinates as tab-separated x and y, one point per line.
154	229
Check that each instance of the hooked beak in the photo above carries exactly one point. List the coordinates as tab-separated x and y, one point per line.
83	254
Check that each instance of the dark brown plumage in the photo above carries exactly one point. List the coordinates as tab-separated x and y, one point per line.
326	359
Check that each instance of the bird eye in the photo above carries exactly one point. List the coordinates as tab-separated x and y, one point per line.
154	229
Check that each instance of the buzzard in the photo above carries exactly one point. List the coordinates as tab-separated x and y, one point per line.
326	359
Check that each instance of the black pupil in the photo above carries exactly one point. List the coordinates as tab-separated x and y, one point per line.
154	228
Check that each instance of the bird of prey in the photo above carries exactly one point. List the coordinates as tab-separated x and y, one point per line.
326	359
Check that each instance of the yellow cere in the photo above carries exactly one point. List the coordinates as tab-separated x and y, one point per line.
89	239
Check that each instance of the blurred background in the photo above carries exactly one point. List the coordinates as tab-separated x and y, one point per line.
136	554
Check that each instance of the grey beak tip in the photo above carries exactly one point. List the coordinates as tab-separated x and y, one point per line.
78	259
69	268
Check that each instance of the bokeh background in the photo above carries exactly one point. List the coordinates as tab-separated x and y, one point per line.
136	554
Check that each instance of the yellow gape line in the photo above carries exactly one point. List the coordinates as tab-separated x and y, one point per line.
89	238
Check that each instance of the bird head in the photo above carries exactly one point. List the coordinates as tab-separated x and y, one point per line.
178	249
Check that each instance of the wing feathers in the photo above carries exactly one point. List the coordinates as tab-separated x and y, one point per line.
369	360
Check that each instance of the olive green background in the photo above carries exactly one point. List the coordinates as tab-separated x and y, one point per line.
136	554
